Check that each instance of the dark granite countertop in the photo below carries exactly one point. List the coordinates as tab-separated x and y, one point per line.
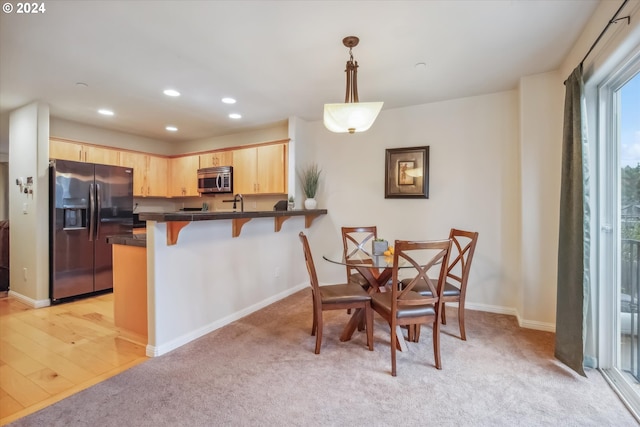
139	240
212	215
176	221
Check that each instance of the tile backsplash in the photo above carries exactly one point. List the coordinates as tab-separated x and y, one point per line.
214	203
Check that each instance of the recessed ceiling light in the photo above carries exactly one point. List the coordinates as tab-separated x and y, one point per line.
228	100
81	84
421	66
235	116
171	128
171	92
105	112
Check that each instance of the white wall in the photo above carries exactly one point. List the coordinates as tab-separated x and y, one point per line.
473	185
541	121
301	154
29	237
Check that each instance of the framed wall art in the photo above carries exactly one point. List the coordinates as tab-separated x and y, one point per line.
407	173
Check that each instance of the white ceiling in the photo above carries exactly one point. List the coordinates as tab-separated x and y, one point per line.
277	58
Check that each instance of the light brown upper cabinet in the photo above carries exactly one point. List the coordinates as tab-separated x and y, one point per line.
184	176
260	170
216	158
149	173
68	150
157	176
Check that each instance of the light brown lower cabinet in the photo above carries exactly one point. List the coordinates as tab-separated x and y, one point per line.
130	292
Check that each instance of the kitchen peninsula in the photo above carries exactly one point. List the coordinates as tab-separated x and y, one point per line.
178	220
213	275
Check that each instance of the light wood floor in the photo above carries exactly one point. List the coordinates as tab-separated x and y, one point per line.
50	353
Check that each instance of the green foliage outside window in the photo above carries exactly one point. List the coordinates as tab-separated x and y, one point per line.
630	201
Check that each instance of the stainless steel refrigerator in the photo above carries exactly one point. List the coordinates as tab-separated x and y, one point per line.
88	202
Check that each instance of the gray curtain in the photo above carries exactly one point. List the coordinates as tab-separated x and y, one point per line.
573	245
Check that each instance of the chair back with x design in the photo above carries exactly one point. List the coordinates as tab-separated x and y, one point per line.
357	241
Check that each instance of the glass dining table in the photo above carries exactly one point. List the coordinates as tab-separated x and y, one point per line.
377	270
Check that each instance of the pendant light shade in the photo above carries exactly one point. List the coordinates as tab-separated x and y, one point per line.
352	116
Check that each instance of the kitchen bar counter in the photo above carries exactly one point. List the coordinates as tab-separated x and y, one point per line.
212	215
178	220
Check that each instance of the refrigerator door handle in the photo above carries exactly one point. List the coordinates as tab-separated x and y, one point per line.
92	213
98	210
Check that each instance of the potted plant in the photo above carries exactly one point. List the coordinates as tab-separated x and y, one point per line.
291	204
310	180
379	246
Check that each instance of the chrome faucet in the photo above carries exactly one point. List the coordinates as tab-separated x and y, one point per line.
235	199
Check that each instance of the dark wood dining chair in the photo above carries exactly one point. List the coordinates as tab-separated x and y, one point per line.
335	297
455	288
405	307
354	241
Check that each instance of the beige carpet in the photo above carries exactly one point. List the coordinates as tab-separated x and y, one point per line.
261	371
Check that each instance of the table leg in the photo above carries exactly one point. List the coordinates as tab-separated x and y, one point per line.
401	344
377	283
355	320
351	326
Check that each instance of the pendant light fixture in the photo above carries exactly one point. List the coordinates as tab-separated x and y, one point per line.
353	115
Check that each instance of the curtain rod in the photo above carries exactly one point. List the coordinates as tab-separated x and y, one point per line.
612	21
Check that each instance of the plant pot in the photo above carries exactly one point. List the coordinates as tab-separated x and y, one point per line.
310	204
379	246
291	206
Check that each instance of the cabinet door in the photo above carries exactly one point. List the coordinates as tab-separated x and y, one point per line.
184	176
216	158
271	172
101	155
64	150
157	175
245	170
138	162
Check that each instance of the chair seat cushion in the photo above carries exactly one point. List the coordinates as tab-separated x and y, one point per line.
422	288
381	301
343	293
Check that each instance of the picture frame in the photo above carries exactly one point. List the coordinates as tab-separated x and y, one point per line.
406	173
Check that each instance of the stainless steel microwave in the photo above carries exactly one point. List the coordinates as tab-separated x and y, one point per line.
215	180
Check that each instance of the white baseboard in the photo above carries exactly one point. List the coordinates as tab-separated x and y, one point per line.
540	326
523	323
30	301
154	351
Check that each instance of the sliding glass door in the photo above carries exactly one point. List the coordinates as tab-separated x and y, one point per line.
619	237
630	228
